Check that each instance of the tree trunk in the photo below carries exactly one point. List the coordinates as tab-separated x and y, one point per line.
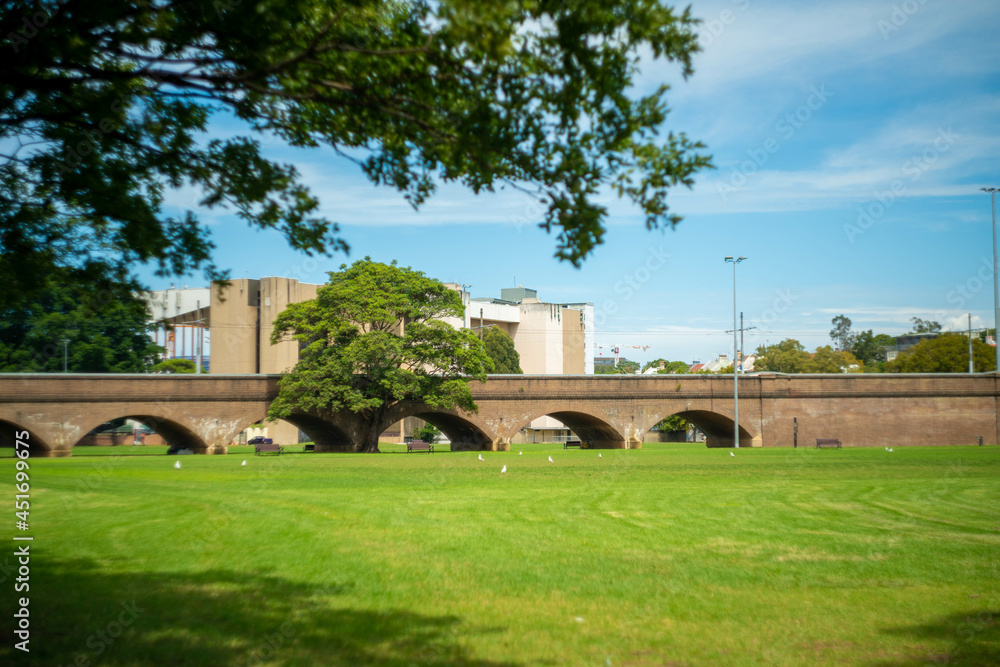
369	445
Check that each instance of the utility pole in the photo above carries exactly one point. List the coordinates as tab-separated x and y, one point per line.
736	376
481	324
741	330
65	342
971	369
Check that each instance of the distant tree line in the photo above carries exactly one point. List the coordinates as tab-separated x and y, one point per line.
865	352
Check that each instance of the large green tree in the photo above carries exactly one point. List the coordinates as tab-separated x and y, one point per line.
106	108
948	353
373	337
841	332
500	346
788	356
925	326
869	348
105	331
828	360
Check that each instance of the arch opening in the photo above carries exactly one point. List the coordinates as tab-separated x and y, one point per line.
157	430
463	434
325	434
718	428
593	432
9	432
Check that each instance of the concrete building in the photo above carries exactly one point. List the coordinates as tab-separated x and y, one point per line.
551	338
186	312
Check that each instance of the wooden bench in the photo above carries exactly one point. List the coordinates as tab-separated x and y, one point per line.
419	446
572	443
828	442
308	448
267	449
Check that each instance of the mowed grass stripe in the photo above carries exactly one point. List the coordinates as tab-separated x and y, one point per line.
673	554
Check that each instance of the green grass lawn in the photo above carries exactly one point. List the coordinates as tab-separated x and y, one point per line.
669	555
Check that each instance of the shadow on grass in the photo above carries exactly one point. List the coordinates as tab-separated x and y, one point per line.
84	615
972	638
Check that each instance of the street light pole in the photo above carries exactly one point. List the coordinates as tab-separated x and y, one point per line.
736	376
996	284
65	342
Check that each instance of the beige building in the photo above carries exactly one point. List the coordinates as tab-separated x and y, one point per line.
552	339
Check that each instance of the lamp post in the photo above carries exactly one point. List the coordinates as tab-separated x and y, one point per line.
736	376
996	289
65	342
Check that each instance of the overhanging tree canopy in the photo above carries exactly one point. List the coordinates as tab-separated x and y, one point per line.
105	108
373	337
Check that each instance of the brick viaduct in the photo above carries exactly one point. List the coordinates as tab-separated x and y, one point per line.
205	412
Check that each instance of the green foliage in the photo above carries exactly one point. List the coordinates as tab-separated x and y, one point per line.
841	332
624	367
357	354
789	356
669	367
948	353
176	366
869	349
427	433
828	360
925	326
107	330
673	423
500	347
107	108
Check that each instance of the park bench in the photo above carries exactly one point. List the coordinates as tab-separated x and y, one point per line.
572	443
267	448
828	442
308	448
419	446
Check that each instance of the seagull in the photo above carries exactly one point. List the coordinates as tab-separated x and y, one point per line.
504	470
244	462
599	456
178	465
520	453
733	455
481	458
890	449
550	460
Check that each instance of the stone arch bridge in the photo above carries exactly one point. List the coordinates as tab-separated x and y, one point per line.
206	412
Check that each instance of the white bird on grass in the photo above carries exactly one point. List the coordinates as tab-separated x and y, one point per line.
599	456
731	454
177	465
244	462
481	458
504	470
520	453
890	449
550	460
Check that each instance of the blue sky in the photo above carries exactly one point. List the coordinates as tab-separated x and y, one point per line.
850	138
